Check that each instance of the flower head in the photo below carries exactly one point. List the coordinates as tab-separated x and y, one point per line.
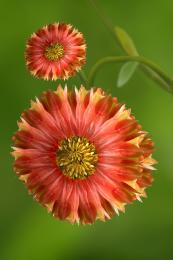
82	155
55	51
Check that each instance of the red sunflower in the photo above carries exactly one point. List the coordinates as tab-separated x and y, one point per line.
82	155
55	51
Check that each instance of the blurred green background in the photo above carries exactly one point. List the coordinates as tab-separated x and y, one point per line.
145	231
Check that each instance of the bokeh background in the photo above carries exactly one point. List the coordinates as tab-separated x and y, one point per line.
145	231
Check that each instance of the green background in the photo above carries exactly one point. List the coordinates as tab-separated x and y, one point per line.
145	231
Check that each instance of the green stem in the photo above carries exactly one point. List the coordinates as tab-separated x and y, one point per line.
159	75
155	77
83	78
103	17
151	70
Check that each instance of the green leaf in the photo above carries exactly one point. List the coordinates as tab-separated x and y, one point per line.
126	42
126	72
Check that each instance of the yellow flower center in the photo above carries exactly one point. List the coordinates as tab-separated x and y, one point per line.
54	52
77	157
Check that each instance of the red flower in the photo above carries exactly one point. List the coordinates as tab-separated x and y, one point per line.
56	51
82	154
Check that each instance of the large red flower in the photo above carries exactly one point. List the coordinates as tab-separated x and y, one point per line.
82	154
55	51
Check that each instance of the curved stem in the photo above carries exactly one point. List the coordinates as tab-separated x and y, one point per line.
158	74
149	69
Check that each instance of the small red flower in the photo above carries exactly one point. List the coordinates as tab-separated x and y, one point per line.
82	154
56	51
